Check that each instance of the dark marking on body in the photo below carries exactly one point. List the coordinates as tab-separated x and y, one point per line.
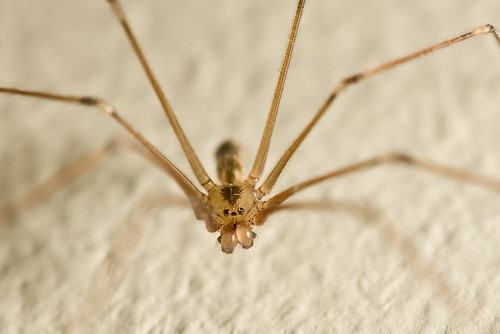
231	194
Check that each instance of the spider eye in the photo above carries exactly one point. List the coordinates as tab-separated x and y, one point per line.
241	211
226	213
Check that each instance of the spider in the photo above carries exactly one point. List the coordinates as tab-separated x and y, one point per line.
238	204
224	293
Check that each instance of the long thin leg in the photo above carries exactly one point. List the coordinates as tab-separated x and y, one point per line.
54	183
196	198
268	184
400	158
198	170
66	175
108	275
463	311
260	159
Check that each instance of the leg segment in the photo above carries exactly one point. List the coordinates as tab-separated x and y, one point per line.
196	198
400	158
108	275
260	159
66	175
198	170
461	309
268	184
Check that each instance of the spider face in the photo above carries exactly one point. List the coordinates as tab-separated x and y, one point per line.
234	206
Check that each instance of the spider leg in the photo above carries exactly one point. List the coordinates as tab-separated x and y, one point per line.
196	198
485	182
260	159
462	311
57	181
109	273
268	184
195	163
67	175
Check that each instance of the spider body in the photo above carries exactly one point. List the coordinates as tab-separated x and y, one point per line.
314	266
233	203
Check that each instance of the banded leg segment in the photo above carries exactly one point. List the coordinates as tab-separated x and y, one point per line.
260	159
195	163
462	309
196	198
392	158
109	274
67	175
268	184
56	182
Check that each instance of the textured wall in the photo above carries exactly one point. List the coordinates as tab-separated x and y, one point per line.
218	61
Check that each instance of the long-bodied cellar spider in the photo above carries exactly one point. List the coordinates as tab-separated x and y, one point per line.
438	37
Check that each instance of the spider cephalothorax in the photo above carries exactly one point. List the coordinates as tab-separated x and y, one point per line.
236	205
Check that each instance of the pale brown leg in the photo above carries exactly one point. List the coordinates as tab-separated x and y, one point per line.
462	311
260	159
56	182
198	170
65	176
268	184
108	275
196	198
400	158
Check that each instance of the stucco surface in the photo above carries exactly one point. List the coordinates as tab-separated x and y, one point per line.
429	264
